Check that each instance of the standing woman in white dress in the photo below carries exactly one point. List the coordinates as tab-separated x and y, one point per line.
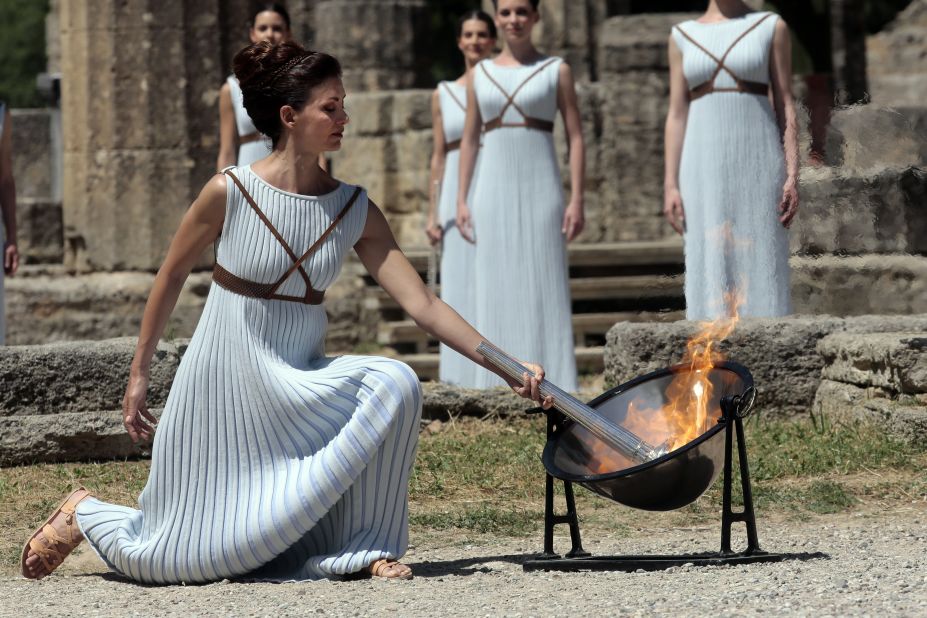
516	213
476	38
240	143
8	208
270	460
731	184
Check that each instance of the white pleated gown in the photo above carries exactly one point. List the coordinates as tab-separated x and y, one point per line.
457	254
731	176
521	289
270	461
252	151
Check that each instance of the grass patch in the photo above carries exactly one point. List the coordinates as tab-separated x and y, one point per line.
487	478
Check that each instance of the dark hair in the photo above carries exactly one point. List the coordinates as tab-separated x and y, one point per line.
272	76
534	3
274	7
480	15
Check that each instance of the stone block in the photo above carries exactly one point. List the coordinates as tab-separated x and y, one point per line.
77	377
442	401
883	212
904	420
636	42
865	139
896	362
895	59
32	153
781	353
859	285
40	231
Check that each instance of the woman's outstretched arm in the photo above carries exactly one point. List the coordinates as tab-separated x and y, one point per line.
199	228
574	219
433	228
781	78
673	137
387	264
469	148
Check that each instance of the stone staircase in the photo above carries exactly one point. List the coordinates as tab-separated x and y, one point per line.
609	283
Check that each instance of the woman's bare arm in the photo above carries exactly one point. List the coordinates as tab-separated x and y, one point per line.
8	197
469	148
200	227
673	136
432	227
384	260
228	131
781	78
574	219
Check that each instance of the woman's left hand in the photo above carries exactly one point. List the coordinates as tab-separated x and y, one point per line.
788	206
530	389
10	259
573	221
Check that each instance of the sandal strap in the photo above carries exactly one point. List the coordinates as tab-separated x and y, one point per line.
48	554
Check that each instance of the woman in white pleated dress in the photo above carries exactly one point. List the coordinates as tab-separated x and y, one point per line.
732	160
240	143
516	213
270	461
476	37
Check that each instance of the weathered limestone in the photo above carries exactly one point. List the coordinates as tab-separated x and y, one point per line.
876	377
781	353
896	67
880	212
865	139
140	131
859	284
375	41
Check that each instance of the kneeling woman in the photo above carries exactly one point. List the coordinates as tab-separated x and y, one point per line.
270	461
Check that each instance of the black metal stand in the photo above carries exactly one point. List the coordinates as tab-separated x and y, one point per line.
579	560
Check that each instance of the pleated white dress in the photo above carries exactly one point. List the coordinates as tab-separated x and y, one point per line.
270	461
457	254
521	289
732	172
252	151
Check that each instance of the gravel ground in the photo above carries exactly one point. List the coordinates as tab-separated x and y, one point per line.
877	566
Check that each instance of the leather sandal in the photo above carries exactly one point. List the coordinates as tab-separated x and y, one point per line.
384	564
48	544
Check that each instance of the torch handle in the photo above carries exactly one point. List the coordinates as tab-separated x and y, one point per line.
616	436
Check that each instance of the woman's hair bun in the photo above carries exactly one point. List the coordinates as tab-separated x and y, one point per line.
272	76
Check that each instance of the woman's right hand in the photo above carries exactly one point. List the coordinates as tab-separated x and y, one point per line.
433	231
464	224
135	409
673	210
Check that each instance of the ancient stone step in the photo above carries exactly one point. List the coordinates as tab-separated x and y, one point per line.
588	360
904	418
584	325
896	362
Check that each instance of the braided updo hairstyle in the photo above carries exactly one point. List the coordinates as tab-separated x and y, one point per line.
272	76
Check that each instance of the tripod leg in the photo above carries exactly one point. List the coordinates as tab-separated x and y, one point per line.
573	521
549	519
727	514
748	516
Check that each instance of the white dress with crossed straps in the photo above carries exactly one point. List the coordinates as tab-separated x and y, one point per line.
521	286
457	255
249	152
271	460
731	174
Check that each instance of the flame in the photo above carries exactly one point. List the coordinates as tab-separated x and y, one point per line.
687	413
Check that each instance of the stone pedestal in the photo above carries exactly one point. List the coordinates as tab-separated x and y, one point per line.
140	124
375	41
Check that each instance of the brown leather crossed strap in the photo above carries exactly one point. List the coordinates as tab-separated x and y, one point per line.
538	124
268	291
743	85
250	137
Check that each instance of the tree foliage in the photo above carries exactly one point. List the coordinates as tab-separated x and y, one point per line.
22	50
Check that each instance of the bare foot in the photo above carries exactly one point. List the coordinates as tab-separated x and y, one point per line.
390	569
54	540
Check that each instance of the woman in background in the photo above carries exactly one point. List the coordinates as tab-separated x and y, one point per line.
476	38
8	206
519	222
731	185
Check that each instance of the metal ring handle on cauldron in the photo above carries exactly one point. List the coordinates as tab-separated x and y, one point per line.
740	405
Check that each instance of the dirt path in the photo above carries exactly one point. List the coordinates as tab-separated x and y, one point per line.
877	565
